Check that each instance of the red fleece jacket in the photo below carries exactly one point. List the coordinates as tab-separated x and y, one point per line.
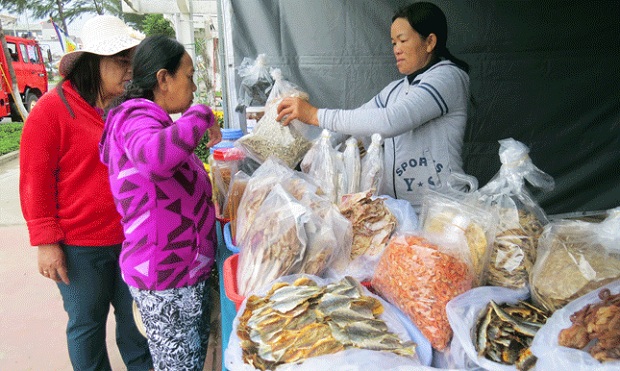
64	190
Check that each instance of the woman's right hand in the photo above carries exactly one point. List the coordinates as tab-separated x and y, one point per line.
296	108
52	263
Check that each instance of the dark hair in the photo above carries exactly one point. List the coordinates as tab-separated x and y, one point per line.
152	54
85	76
426	18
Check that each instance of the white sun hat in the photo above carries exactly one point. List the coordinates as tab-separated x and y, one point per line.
102	35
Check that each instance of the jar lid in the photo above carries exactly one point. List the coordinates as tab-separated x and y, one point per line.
228	154
231	134
220	145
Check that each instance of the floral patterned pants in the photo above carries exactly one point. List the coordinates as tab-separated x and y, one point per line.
177	325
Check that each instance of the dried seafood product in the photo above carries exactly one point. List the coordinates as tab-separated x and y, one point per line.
420	279
372	221
504	333
514	248
598	323
572	261
296	321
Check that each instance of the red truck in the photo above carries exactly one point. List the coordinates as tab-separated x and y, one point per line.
30	72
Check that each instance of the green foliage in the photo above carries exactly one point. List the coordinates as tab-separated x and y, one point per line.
202	151
156	24
10	135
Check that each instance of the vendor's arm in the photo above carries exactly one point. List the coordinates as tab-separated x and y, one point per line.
409	106
39	157
157	151
296	108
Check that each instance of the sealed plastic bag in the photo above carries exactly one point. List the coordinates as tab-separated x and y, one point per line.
574	258
256	81
420	277
521	219
470	319
441	212
325	166
372	166
552	356
352	166
269	137
318	329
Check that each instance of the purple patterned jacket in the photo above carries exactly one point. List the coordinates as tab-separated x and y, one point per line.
162	192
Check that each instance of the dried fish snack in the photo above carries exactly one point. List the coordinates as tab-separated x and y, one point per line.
504	333
373	224
573	260
420	278
599	323
299	320
521	219
514	248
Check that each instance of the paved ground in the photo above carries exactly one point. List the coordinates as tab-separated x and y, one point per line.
32	320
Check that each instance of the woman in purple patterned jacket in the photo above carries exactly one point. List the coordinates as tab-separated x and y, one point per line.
163	194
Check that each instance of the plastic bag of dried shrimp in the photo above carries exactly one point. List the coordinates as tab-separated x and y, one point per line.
520	218
440	212
465	313
317	342
420	276
552	356
574	258
269	137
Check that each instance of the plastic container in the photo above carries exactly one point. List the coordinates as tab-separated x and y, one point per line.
224	165
230	135
229	240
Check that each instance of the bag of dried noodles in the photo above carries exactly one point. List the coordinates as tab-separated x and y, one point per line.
420	277
520	218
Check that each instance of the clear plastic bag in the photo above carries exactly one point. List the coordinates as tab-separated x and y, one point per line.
349	359
552	356
440	212
521	219
325	166
372	166
270	137
574	258
420	277
463	313
256	81
352	166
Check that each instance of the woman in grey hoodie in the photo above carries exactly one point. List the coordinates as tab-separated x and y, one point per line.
421	117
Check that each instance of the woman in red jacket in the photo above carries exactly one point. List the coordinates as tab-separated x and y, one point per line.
66	200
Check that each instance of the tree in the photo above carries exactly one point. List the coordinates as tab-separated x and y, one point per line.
66	11
156	24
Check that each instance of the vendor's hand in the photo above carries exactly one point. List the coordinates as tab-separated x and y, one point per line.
52	263
297	108
215	135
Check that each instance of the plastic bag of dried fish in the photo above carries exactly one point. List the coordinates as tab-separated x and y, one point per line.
269	137
484	336
326	166
574	258
256	82
441	212
521	219
352	166
271	172
303	322
552	356
372	224
372	166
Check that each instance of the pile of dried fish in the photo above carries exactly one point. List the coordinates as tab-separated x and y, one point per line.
293	322
514	249
373	223
505	332
599	322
